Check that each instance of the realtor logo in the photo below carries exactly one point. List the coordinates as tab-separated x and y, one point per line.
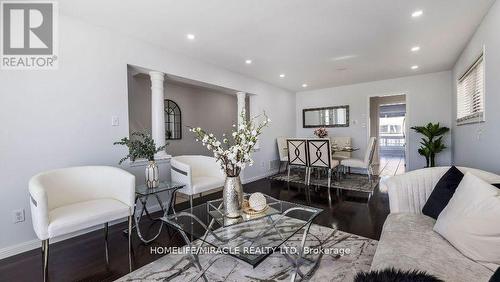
29	35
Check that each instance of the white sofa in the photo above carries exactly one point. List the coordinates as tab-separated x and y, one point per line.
67	200
198	173
408	241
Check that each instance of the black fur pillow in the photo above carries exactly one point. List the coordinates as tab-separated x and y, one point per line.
496	275
393	275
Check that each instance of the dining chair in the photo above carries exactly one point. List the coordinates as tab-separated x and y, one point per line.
297	155
282	151
366	162
320	156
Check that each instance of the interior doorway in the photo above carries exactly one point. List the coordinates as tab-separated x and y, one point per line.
388	124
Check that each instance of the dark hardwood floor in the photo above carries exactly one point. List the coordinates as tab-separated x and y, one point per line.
82	258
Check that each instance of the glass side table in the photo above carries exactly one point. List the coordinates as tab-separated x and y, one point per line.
143	194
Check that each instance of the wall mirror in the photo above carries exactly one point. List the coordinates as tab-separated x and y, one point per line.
337	116
173	125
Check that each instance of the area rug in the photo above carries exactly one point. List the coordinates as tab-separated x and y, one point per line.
343	255
352	181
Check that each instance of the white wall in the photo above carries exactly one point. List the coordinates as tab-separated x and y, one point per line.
61	118
477	145
428	99
202	107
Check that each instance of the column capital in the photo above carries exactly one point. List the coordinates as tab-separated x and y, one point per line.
241	95
156	75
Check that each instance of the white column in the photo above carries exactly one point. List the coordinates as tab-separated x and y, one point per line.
158	111
241	104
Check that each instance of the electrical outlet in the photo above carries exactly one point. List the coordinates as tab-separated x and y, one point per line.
18	215
115	121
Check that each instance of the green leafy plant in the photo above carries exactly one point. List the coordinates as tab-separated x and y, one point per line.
432	142
140	145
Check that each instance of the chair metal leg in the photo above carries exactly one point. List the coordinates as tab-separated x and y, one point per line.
329	184
45	260
369	175
191	202
288	179
279	168
130	243
106	242
308	174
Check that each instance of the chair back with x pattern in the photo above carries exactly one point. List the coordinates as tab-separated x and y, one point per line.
297	152
319	153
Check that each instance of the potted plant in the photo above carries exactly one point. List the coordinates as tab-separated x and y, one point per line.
233	154
142	146
321	132
432	142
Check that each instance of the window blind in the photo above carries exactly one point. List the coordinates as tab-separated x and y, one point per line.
470	94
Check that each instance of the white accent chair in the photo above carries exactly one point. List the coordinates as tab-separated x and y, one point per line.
67	200
365	163
198	173
282	151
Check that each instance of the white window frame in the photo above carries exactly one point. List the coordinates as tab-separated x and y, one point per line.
479	116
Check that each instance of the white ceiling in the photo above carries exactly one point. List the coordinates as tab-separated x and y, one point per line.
322	43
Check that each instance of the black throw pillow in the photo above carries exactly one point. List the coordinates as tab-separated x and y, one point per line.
442	193
393	275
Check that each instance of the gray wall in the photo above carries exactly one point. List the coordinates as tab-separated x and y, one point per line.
477	145
213	111
428	98
62	118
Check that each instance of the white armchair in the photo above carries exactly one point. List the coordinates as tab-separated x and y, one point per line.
71	199
198	173
408	192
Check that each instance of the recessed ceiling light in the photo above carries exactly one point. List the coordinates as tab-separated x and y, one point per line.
282	75
190	36
304	85
248	62
417	13
415	49
414	67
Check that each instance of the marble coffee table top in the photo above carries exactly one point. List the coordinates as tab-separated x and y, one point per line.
342	256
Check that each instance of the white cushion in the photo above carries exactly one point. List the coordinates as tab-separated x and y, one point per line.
78	216
470	221
354	163
202	184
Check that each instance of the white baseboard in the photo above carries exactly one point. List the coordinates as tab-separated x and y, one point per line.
258	177
35	243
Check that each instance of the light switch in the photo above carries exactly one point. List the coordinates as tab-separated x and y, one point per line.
115	121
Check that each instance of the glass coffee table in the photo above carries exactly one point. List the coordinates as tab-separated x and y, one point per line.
250	238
